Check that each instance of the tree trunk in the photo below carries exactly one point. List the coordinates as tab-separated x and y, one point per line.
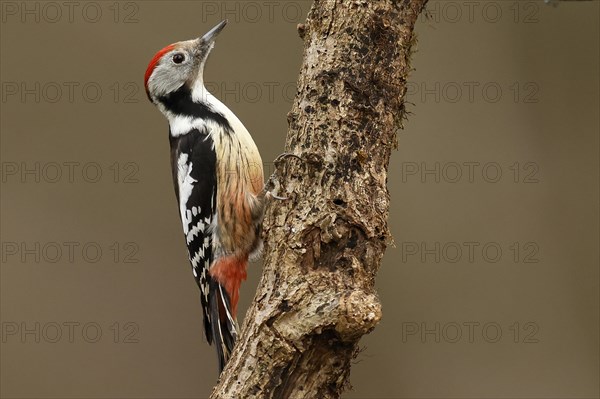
324	243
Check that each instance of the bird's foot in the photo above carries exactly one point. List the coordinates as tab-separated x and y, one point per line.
270	195
281	157
272	181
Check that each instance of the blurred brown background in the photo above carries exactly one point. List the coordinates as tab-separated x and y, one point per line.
491	291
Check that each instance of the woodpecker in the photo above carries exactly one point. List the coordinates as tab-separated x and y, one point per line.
218	178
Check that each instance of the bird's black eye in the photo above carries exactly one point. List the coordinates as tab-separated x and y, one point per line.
178	58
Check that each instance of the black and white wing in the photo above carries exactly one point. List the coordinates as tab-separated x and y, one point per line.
194	174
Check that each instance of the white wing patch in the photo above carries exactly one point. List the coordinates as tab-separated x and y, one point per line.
186	185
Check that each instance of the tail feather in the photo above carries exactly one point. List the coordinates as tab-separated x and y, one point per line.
223	324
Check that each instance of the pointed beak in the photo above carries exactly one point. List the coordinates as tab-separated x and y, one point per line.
210	37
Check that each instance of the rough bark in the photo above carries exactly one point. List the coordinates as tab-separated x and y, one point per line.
324	244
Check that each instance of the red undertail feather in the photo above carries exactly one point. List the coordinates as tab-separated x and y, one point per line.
230	271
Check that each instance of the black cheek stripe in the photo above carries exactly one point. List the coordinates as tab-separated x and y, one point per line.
180	102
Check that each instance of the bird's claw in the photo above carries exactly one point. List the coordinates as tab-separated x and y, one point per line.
271	195
286	155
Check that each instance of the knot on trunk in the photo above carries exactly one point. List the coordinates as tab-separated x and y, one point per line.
359	314
351	315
